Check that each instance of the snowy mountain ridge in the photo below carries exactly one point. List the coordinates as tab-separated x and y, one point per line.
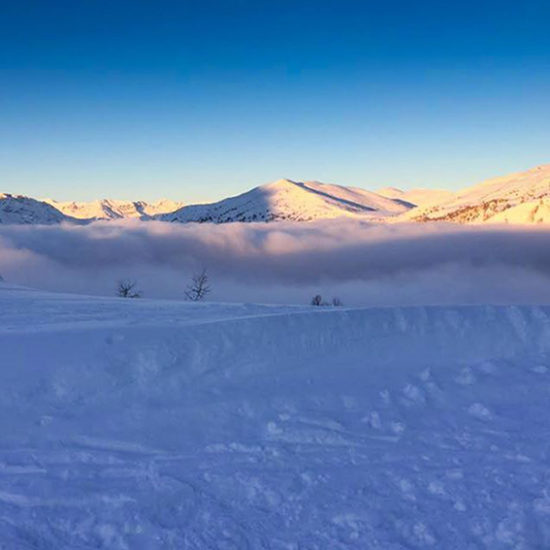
294	201
520	198
417	197
109	209
18	209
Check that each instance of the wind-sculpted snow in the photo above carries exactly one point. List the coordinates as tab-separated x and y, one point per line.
148	424
361	263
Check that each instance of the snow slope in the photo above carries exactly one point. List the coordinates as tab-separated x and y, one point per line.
25	210
147	424
417	197
537	211
495	200
109	209
289	200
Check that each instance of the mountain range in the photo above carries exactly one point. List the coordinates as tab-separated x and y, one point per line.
108	209
520	198
293	201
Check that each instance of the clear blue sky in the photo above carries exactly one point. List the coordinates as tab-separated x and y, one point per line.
197	100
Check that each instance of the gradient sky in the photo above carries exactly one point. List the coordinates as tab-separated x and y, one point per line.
198	100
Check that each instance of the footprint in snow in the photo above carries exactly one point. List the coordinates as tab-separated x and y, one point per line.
488	367
398	427
407	488
465	377
373	420
436	488
539	369
479	411
414	395
386	397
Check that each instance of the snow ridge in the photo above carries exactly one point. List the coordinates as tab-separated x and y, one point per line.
109	209
25	210
519	198
294	201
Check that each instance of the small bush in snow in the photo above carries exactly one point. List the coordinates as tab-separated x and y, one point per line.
198	288
126	289
317	300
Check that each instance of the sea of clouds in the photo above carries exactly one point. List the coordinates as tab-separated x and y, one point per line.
359	262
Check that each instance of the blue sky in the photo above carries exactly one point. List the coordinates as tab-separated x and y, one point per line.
197	100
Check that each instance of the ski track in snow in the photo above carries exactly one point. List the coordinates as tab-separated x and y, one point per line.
147	424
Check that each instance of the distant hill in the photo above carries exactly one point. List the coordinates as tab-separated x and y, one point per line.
109	209
521	198
25	210
417	197
289	200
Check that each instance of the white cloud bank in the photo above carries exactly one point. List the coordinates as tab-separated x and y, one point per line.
363	264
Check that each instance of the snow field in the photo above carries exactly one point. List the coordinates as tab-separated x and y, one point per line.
149	424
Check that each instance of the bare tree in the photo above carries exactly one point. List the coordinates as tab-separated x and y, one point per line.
317	300
126	289
198	288
336	302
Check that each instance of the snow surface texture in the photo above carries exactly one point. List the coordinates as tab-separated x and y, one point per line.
145	424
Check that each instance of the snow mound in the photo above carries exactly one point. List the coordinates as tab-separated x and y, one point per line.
149	424
293	201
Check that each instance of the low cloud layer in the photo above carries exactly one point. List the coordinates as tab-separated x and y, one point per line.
363	264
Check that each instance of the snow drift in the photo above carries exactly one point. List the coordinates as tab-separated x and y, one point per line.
148	424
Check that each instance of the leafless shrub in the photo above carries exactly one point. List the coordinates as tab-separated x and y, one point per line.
317	300
126	289
198	288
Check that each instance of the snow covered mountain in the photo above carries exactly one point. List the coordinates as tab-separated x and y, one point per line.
289	200
25	210
18	209
108	209
417	197
520	198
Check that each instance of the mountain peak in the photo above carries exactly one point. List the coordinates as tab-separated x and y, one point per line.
286	199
